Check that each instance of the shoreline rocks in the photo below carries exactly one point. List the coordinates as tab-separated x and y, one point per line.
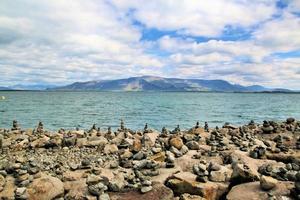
199	163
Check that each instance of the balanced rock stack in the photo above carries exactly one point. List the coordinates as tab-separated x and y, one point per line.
262	161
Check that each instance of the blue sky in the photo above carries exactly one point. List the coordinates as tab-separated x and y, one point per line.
60	42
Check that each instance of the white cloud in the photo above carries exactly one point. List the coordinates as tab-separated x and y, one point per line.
198	18
69	40
233	48
282	34
191	59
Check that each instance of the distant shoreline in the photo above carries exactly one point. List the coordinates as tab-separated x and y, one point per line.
122	91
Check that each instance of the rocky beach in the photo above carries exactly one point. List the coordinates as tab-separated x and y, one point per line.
253	161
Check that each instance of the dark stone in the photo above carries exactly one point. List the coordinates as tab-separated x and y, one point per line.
202	179
69	141
85	163
290	120
206	128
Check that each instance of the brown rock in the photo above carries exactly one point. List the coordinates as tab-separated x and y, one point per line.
251	191
97	141
243	173
190	197
110	149
164	174
107	174
151	138
45	188
21	145
137	145
267	182
81	142
78	134
176	142
73	175
2	181
160	157
8	191
77	190
186	162
159	192
222	175
185	183
38	143
126	154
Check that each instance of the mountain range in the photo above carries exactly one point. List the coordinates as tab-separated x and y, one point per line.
5	88
152	83
28	87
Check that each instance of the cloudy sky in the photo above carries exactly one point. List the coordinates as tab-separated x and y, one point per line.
62	41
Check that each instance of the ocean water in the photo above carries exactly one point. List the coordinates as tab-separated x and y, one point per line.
71	109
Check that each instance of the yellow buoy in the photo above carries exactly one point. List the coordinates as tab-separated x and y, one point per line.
2	97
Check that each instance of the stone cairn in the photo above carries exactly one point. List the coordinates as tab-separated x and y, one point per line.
279	144
15	126
40	128
206	128
201	171
258	152
216	141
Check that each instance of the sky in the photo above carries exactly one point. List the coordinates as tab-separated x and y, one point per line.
58	42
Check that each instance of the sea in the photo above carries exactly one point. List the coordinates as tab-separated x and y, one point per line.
69	110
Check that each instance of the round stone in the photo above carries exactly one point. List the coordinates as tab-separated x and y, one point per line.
146	189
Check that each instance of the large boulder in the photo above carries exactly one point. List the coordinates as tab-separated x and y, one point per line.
77	190
222	175
40	142
186	162
97	141
159	192
110	149
151	138
45	188
184	182
73	175
242	173
250	191
165	173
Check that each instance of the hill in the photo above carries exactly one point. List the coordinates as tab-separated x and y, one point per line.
152	83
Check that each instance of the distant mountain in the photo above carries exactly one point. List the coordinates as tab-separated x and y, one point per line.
5	88
33	87
152	83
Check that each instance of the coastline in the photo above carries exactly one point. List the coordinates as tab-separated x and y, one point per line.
262	160
157	91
